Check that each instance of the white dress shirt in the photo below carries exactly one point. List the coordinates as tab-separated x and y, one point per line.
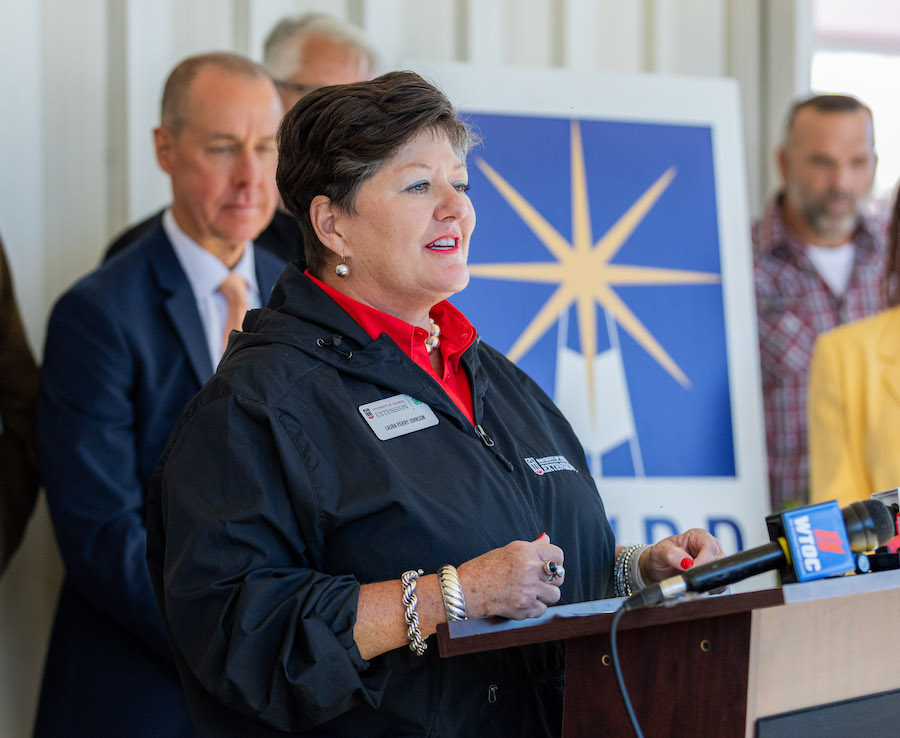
205	273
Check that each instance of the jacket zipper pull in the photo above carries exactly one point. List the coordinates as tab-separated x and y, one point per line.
485	438
489	442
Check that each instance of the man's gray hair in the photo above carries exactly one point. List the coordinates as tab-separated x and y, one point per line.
278	52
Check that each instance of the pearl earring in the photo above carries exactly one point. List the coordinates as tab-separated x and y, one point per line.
342	270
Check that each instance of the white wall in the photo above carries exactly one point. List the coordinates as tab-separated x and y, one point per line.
80	84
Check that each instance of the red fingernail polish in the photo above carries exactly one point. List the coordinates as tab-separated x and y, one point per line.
687	563
541	536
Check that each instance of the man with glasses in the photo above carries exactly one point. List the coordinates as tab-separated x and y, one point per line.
313	51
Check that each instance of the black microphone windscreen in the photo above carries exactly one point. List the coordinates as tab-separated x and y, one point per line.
869	524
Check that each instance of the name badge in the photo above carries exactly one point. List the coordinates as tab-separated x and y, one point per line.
397	416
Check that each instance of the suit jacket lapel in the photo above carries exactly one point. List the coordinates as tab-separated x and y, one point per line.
181	306
889	353
268	270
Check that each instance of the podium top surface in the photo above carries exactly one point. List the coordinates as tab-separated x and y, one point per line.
592	618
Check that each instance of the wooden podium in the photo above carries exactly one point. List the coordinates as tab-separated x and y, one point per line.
804	659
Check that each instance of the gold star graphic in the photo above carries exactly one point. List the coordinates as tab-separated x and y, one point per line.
582	269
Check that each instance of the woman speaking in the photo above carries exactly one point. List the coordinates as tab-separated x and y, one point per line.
355	472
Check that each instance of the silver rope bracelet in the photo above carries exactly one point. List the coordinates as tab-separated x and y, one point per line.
627	572
416	643
451	591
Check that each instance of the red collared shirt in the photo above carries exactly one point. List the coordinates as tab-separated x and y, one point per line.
457	334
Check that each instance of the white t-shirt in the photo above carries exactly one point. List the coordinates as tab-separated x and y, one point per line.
833	264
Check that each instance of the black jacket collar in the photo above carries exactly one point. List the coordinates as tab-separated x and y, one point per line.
301	315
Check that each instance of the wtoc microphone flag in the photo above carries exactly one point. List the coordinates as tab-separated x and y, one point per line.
817	541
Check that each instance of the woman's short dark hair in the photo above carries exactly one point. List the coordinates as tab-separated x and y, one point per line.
337	137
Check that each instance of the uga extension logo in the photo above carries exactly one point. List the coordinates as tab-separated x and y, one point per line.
549	464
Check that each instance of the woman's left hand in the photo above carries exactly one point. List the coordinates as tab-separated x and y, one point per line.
676	554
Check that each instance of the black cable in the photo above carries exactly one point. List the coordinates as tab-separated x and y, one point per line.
618	668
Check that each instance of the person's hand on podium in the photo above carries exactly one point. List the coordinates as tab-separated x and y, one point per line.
679	553
520	586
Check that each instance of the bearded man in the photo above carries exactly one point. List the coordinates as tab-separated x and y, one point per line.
818	262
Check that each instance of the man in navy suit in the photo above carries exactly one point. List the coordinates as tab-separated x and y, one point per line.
127	347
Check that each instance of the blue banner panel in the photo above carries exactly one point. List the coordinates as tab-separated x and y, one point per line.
596	267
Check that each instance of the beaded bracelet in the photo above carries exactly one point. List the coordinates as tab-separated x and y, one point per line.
451	591
416	643
634	574
626	571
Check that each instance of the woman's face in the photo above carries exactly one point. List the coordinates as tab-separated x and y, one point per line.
408	241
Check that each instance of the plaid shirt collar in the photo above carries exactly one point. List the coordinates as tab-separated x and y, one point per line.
774	234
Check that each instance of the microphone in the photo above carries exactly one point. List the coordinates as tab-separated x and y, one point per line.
891	498
807	543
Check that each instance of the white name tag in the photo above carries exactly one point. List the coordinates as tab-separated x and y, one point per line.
397	416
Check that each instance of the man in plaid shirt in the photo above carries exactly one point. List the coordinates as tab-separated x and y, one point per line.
818	262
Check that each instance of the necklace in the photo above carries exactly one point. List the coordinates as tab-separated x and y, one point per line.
433	340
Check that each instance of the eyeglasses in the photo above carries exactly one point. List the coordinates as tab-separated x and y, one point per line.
299	88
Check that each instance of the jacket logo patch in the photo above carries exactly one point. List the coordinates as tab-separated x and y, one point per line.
547	464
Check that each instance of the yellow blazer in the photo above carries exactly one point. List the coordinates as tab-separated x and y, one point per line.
854	410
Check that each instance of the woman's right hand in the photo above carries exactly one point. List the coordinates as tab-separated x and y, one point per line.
511	581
